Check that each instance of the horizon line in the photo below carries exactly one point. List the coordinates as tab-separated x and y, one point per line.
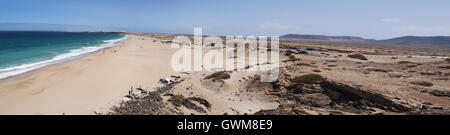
180	33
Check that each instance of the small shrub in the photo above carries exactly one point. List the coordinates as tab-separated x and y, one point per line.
422	83
396	75
317	70
448	60
288	54
222	75
292	59
443	78
404	62
366	72
446	67
428	103
308	79
176	100
303	52
358	56
331	60
201	101
380	70
440	93
428	73
303	64
332	65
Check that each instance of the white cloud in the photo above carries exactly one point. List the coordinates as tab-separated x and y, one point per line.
390	20
276	26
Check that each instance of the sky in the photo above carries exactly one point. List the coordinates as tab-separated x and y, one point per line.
376	19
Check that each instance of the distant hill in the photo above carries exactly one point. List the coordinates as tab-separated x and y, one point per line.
414	40
323	38
407	40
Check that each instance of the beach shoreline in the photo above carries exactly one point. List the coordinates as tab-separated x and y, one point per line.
55	88
97	84
22	69
62	62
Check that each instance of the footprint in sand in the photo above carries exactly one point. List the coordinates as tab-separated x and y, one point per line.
37	91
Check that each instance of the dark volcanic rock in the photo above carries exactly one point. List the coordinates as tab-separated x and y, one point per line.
440	93
315	100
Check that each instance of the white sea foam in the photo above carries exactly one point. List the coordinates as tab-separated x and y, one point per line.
11	71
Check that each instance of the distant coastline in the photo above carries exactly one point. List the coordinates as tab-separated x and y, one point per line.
73	50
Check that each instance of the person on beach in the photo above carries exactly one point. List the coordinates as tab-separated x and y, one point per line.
131	92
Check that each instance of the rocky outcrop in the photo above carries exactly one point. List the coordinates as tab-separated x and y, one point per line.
364	94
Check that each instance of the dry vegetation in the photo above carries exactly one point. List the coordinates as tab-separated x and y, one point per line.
358	56
177	100
422	83
222	75
308	79
292	59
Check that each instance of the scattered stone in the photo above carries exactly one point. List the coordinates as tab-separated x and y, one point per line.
201	101
292	59
317	70
314	100
358	56
428	73
308	79
396	75
440	93
221	75
445	67
380	70
150	104
422	83
177	100
404	62
448	60
165	80
303	64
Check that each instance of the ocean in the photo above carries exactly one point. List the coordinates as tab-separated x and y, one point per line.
21	52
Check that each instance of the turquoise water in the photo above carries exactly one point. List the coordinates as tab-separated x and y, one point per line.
24	51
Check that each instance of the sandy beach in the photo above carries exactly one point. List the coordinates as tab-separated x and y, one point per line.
97	83
90	84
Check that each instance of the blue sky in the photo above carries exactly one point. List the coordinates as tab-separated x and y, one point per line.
378	19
